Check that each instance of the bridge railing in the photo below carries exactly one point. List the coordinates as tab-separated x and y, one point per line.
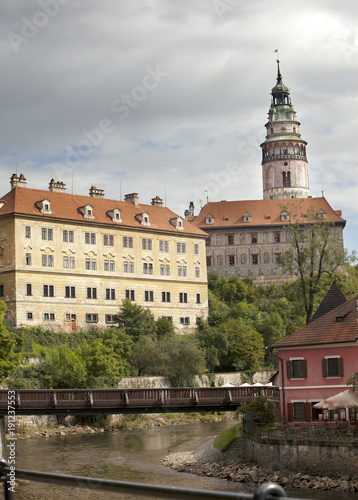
268	491
123	399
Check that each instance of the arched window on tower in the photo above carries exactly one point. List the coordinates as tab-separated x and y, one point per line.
286	179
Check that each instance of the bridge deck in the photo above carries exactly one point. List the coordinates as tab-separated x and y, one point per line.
102	401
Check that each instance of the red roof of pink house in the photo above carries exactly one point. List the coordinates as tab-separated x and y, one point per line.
337	326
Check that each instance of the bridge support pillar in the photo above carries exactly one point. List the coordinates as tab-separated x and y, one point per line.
2	438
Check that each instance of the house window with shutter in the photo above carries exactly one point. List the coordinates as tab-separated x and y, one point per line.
299	411
332	367
297	368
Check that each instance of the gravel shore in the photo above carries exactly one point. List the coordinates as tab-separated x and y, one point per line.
203	459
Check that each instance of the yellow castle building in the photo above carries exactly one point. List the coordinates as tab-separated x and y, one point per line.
68	261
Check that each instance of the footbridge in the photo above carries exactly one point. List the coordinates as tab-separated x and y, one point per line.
112	401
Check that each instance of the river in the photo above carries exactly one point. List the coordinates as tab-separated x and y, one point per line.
133	456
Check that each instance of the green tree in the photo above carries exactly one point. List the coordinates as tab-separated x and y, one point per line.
353	381
263	408
164	327
246	352
214	342
135	321
182	359
146	356
62	368
100	360
314	251
9	360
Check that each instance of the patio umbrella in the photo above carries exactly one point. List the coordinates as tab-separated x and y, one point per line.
345	399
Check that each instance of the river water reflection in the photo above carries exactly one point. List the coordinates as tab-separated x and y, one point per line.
133	456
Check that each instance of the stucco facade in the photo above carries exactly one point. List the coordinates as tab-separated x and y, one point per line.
68	261
317	361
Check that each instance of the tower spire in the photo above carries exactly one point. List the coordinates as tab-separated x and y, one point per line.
279	76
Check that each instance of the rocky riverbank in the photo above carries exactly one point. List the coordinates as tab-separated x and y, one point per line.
206	460
121	422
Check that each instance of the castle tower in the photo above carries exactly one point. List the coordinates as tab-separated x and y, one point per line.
284	161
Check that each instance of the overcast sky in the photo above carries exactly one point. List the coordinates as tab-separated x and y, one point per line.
170	97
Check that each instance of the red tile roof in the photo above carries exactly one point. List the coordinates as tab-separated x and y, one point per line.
263	212
21	200
338	325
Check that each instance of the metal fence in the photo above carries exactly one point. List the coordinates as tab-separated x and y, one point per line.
8	475
341	432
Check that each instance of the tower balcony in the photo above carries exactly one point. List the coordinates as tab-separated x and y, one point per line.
273	157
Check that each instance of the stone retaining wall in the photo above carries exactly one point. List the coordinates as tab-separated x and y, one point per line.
320	458
218	379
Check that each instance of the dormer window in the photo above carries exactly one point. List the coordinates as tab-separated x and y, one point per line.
143	218
246	217
87	211
322	214
285	216
2	203
209	219
44	206
114	214
177	222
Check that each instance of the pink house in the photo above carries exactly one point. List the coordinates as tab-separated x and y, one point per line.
318	359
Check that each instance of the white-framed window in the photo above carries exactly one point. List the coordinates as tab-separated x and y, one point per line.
197	272
109	265
27	232
108	240
183	297
184	321
28	259
196	248
91	293
148	296
47	234
91	318
90	238
28	289
127	242
49	317
47	260
165	296
109	319
128	267
130	295
30	316
68	236
163	246
70	292
147	244
147	268
182	271
165	269
91	264
181	247
48	291
198	301
110	294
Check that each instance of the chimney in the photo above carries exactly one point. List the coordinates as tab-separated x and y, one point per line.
17	181
57	187
96	193
132	198
157	202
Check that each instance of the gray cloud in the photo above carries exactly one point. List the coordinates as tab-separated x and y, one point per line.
62	78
